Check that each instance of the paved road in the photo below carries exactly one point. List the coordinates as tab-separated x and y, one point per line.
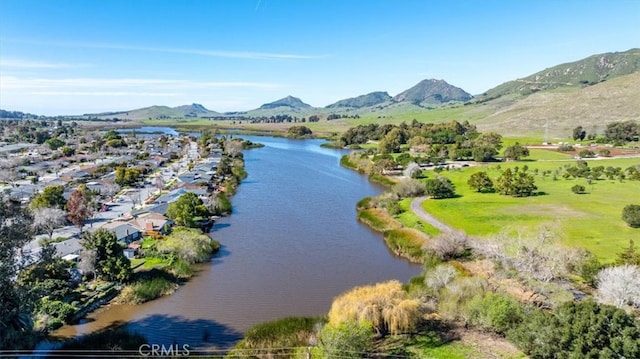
416	208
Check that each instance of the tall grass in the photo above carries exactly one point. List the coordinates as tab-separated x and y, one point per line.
274	339
378	219
146	290
406	242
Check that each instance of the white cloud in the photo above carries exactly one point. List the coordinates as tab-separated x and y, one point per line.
104	93
30	64
17	83
256	55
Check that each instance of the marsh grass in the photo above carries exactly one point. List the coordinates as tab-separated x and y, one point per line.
406	242
378	219
149	285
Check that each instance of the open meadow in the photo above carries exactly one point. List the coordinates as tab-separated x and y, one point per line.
591	220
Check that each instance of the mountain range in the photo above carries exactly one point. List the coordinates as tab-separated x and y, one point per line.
592	91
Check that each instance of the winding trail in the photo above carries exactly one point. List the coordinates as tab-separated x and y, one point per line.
416	208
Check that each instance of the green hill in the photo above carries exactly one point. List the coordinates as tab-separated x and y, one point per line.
586	72
158	113
432	92
289	102
592	107
368	100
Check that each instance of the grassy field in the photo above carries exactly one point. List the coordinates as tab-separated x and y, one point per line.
592	220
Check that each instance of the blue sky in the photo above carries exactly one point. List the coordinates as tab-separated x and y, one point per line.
75	57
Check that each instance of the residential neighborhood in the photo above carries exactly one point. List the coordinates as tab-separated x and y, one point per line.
171	166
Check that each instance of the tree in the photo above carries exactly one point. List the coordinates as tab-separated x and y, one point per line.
67	151
440	187
15	307
489	139
51	196
299	131
412	170
622	131
484	153
516	152
108	190
54	143
80	206
186	209
578	134
631	215
620	286
516	183
480	182
48	219
392	141
629	255
126	176
578	330
386	306
110	262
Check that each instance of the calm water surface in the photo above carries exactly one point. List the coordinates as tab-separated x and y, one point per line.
292	244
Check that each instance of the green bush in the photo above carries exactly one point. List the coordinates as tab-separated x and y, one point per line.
147	289
348	339
498	312
57	309
578	330
631	215
273	339
578	189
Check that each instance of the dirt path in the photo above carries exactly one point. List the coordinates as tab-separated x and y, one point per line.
416	208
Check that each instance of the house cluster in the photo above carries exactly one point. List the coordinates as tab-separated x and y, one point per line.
175	164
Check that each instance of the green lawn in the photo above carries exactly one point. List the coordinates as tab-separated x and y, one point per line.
410	220
592	221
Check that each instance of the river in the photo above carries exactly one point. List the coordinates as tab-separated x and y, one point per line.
291	245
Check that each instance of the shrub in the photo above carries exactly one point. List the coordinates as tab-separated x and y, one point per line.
440	276
631	215
409	188
604	152
620	286
385	305
148	289
348	339
565	148
578	189
276	338
587	154
578	330
448	245
188	244
498	312
57	309
412	170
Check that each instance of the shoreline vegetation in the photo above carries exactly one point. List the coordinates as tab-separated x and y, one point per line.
474	297
477	296
164	262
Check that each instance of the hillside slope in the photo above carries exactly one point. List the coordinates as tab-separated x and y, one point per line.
368	100
591	107
588	71
158	112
